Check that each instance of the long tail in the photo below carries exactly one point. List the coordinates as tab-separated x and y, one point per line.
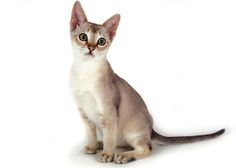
164	140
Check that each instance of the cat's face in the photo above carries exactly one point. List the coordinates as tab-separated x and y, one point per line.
90	40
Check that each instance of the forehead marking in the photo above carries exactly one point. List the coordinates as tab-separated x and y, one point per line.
94	28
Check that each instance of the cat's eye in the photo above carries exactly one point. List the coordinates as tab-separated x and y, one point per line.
101	41
83	37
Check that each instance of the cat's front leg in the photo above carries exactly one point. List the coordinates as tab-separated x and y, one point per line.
93	143
109	130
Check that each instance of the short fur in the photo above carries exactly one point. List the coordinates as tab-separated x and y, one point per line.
106	101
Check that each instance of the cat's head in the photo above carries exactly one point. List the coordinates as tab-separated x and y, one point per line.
90	40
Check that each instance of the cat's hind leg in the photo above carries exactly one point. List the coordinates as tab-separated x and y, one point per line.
142	148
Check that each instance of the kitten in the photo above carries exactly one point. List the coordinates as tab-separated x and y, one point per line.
106	101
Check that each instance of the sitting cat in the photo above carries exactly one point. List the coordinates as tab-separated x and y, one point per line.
105	100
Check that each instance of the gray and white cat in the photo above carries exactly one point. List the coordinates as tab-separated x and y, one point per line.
106	101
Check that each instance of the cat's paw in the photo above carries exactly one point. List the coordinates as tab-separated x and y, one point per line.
103	157
122	158
90	150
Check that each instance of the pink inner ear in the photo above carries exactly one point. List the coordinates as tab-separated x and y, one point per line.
111	25
78	16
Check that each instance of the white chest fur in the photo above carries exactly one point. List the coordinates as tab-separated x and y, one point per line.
84	82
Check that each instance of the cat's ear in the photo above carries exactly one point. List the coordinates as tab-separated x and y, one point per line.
111	25
78	16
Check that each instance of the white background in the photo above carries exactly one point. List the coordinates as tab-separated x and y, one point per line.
178	54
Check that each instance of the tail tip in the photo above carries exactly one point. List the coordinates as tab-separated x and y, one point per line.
220	131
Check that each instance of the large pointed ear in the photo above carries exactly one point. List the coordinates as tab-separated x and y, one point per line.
78	16
111	25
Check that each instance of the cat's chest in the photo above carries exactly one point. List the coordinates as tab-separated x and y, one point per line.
85	76
84	83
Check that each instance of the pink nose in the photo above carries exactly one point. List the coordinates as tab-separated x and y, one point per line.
91	48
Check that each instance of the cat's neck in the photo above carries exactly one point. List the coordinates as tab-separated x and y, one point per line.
84	64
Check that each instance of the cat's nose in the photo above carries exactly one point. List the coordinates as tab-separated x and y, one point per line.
91	48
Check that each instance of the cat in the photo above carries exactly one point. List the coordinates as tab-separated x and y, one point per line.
106	101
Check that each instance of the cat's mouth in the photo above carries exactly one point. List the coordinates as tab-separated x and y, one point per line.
90	54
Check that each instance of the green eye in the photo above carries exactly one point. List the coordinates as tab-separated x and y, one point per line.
101	41
83	37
